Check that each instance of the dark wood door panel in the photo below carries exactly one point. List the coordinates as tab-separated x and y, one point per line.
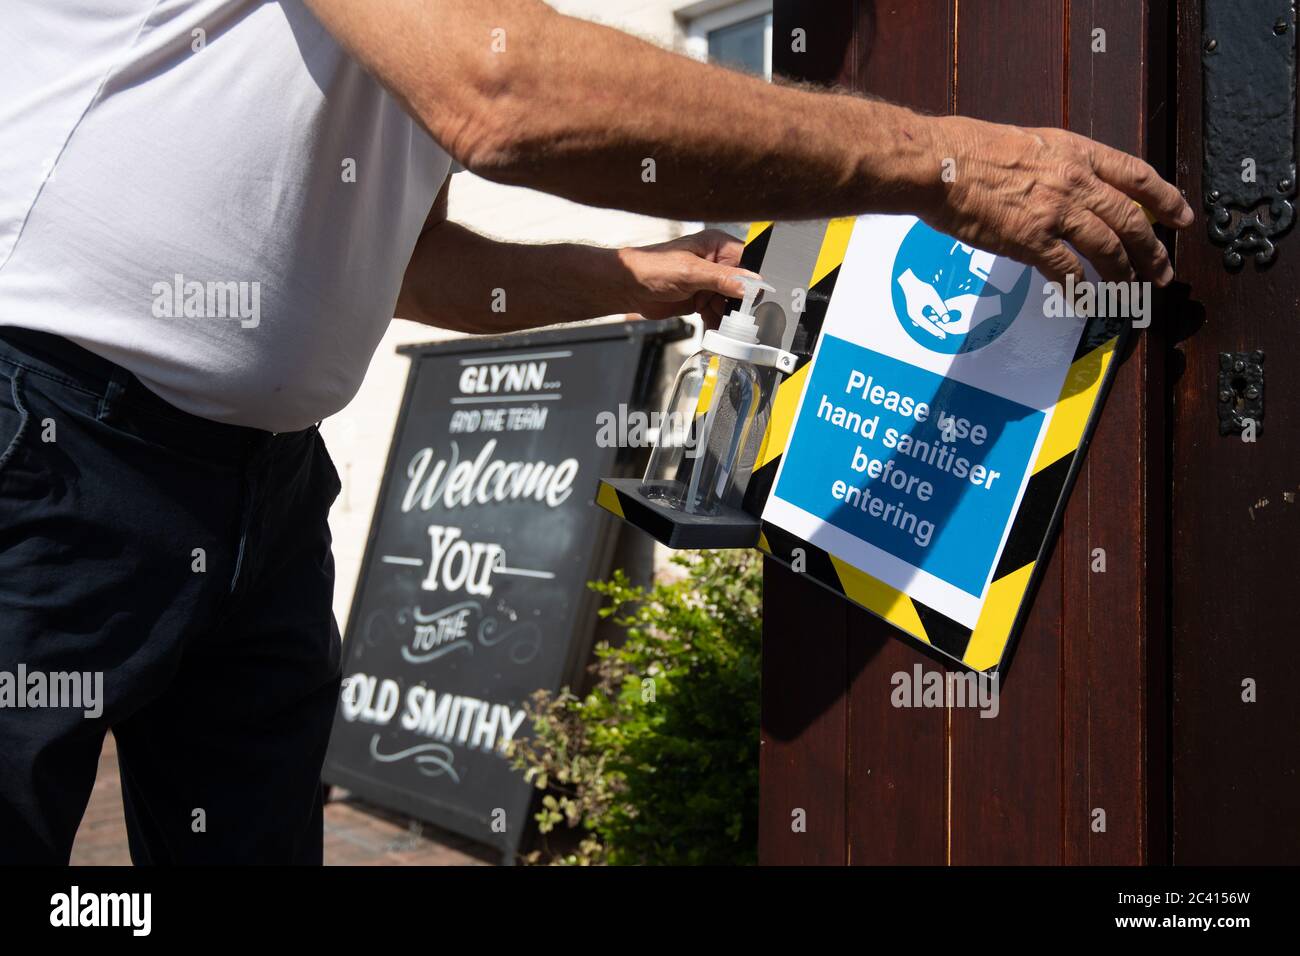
1113	646
802	766
1236	521
1006	772
897	757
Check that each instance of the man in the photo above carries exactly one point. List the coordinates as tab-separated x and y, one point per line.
209	211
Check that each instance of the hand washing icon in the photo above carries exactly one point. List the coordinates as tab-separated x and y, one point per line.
951	297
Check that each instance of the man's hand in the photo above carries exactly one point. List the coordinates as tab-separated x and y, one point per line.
1025	193
695	273
458	279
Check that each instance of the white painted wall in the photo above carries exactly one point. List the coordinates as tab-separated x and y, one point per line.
358	437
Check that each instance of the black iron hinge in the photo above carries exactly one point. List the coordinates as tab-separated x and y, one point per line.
1248	61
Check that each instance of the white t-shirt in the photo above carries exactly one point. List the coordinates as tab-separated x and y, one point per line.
210	193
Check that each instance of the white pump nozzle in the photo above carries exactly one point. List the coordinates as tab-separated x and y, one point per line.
740	323
753	285
737	336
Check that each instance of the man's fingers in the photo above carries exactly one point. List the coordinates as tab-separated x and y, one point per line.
714	308
715	245
704	303
1057	262
1137	179
1099	244
1147	253
722	279
710	306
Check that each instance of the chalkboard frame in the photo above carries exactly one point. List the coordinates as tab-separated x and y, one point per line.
647	334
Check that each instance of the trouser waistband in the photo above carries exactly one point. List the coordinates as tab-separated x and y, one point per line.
62	360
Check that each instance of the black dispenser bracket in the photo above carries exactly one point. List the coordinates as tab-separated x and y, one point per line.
729	528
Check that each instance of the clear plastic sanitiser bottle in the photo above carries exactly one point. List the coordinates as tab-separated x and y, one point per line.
716	399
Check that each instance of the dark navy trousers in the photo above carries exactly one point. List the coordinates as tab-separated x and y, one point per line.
187	563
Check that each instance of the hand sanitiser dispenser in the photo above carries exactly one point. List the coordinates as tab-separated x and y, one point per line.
709	434
716	398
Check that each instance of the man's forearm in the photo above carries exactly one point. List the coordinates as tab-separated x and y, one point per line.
592	114
522	95
667	136
463	281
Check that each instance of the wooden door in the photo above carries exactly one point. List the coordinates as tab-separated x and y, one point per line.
846	777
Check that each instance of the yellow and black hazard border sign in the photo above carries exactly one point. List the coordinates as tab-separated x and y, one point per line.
986	646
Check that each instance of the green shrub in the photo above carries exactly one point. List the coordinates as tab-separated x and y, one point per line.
658	763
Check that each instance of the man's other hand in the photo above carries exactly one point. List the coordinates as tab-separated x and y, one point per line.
696	273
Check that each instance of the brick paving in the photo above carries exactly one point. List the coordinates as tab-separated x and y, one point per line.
356	834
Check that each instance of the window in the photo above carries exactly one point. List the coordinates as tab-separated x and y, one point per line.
743	45
736	34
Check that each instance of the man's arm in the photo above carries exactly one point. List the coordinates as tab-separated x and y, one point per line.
458	279
523	95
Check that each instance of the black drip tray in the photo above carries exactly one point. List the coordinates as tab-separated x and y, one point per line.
730	528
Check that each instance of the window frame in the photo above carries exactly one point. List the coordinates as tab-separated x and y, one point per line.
700	19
